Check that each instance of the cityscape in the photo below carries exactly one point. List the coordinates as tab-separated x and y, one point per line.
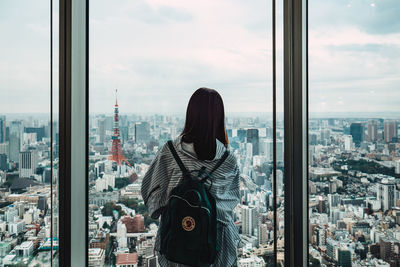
354	203
157	52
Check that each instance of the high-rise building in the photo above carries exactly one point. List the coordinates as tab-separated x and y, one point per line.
27	163
16	227
357	132
3	162
263	230
2	129
11	215
15	140
40	132
101	129
42	202
266	148
333	200
344	257
313	139
269	132
325	134
389	250
348	142
320	236
386	194
241	134
372	130
390	130
331	248
14	147
142	132
397	167
4	148
249	220
252	137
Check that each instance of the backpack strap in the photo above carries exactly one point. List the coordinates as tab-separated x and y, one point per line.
178	159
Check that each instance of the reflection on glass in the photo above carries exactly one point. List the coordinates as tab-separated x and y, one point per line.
354	166
26	209
157	54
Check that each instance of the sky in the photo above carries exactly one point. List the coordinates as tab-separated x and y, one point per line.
158	52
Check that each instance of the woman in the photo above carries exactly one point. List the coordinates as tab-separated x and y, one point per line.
202	143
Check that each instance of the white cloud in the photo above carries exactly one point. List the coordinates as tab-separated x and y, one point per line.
158	52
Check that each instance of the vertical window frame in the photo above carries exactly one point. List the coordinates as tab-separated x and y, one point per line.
73	118
296	131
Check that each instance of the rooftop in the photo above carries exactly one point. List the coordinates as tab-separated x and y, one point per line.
127	258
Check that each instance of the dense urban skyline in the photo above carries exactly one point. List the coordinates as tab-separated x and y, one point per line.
156	53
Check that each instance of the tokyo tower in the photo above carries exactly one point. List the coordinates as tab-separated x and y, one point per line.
116	151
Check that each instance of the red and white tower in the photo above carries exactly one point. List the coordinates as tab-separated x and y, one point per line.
116	151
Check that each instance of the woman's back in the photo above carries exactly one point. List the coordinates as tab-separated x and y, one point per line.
202	143
164	175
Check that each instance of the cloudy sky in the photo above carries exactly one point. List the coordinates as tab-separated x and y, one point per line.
158	52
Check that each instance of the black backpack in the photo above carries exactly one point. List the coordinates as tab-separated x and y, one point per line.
189	223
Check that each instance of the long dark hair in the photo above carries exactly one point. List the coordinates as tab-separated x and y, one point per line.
205	122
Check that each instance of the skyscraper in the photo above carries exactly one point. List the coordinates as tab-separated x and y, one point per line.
101	129
386	194
348	142
4	149
15	140
325	134
14	147
252	137
390	130
3	162
2	129
372	131
27	163
313	139
266	148
249	220
389	250
241	134
40	132
344	257
357	132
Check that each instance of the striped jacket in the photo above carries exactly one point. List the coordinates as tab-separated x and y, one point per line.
164	175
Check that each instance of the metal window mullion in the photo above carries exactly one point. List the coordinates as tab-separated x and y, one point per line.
64	133
295	121
275	222
73	132
51	134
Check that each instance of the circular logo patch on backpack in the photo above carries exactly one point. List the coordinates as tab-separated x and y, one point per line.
188	223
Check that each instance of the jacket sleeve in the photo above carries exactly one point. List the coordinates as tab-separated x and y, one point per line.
234	189
230	197
155	183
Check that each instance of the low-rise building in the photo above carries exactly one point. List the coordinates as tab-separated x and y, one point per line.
127	260
96	257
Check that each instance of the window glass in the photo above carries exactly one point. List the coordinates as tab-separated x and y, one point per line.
146	60
354	166
28	225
